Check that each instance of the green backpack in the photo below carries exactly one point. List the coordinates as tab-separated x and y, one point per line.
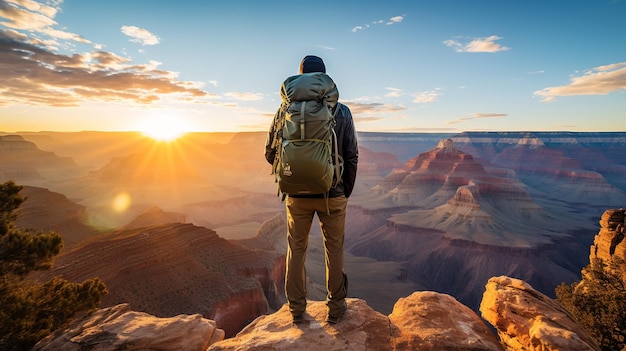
305	160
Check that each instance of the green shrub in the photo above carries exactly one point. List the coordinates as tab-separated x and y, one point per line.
598	302
31	311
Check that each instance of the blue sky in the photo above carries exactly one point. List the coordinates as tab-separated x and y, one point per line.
401	66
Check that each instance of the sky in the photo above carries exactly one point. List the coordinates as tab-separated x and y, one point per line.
401	66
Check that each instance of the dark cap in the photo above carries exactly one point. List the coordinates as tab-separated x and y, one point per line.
312	63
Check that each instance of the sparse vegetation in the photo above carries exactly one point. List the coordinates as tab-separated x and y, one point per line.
598	302
31	311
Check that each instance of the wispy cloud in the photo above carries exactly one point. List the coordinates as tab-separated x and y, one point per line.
325	47
36	76
34	17
244	96
478	116
487	44
395	19
390	21
600	80
140	35
359	108
425	97
394	92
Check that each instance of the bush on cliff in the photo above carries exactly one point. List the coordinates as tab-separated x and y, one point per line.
598	302
31	311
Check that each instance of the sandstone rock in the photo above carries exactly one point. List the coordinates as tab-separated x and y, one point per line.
610	239
119	328
422	321
433	321
361	328
528	320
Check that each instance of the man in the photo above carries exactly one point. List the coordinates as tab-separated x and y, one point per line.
330	209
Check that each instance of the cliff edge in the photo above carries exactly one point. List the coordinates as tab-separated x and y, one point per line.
524	319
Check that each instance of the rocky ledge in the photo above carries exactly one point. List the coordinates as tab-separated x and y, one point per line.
523	318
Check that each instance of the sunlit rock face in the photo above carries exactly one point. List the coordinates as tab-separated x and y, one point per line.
609	241
171	269
50	211
432	321
120	328
523	320
423	320
564	165
526	319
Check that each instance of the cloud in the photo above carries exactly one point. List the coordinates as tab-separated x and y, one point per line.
358	108
425	97
326	47
477	45
600	80
357	28
244	96
394	92
478	116
392	20
140	35
395	19
367	119
34	75
31	16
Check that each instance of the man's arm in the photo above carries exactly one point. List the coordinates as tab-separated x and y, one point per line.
350	149
270	142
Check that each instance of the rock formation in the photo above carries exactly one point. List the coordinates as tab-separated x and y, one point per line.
610	239
456	223
423	320
177	268
50	211
155	216
120	328
23	162
523	318
565	166
526	319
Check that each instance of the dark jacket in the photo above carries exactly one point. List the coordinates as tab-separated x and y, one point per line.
346	143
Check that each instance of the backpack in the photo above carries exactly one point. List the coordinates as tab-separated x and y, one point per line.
305	139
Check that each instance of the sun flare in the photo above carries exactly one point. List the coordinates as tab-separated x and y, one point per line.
163	127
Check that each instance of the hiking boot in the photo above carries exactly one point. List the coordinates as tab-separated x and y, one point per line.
335	319
297	319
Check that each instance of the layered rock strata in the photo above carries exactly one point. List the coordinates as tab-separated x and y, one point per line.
526	319
610	239
120	328
175	269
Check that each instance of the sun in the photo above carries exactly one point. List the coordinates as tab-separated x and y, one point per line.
163	127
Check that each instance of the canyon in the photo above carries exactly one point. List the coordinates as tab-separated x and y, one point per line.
195	226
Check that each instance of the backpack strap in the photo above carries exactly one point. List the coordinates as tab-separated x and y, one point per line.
277	144
338	162
302	121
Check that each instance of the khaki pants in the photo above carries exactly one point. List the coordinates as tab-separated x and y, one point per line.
300	213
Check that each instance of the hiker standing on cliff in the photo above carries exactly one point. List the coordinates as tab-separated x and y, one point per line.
330	207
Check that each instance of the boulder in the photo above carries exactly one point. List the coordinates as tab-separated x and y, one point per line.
421	321
526	319
433	321
119	328
361	328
